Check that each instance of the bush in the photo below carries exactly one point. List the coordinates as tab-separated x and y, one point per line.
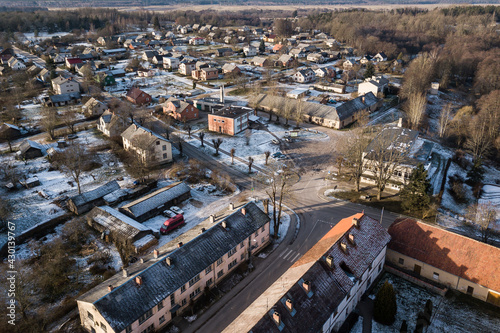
457	189
385	307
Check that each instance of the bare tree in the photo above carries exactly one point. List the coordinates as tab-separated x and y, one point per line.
478	140
444	120
415	109
418	76
288	110
217	142
69	119
188	129
49	121
232	152
267	153
202	136
483	215
278	191
73	161
299	113
250	163
353	147
384	156
248	135
362	118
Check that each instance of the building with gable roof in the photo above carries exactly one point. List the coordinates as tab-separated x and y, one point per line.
147	295
180	110
94	107
323	287
151	148
375	85
111	124
62	85
447	258
138	97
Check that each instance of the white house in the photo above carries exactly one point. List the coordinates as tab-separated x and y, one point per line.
171	62
304	76
250	51
380	57
17	65
63	85
375	85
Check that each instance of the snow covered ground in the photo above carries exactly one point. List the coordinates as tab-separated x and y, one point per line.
449	314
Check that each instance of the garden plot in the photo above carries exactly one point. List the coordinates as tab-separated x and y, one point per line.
33	206
205	200
449	314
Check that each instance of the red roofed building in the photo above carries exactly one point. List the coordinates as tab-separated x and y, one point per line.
138	97
71	62
450	259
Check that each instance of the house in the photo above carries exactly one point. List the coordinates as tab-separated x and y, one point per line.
62	85
148	55
280	48
324	72
111	124
62	99
323	287
180	110
211	104
366	59
157	60
205	73
197	41
156	202
250	51
2	70
229	120
44	75
94	107
304	76
297	53
106	79
117	226
138	97
261	62
17	65
6	54
147	296
380	57
151	148
230	68
170	62
71	62
348	64
285	60
430	253
375	85
187	68
30	149
297	93
224	52
84	202
316	57
9	132
335	87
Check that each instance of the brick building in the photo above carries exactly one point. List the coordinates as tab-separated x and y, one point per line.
229	120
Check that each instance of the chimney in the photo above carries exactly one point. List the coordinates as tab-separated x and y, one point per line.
266	206
231	206
125	272
289	305
224	224
400	122
180	244
244	211
355	222
363	99
222	94
329	261
307	286
276	317
138	280
343	246
202	230
351	239
110	287
141	260
168	261
212	218
156	253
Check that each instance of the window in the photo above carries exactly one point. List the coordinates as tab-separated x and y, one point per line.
233	263
160	305
91	317
242	245
104	327
263	229
470	290
223	121
401	261
194	280
145	316
435	276
215	119
164	147
221	272
242	257
256	233
208	269
128	329
263	240
164	155
162	319
194	293
183	289
380	267
209	282
150	328
220	261
183	302
157	143
172	300
233	251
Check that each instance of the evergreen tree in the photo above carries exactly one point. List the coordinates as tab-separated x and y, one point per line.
385	307
370	70
156	23
415	195
262	46
294	14
476	173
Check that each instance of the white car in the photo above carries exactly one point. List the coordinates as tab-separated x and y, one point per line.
169	213
177	210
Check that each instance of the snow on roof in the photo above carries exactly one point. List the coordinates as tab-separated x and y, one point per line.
141	137
98	193
121	222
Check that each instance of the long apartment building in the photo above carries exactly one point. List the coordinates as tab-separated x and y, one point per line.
147	295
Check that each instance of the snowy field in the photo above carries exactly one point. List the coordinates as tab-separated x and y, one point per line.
449	314
30	207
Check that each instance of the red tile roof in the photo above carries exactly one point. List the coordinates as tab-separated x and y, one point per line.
456	254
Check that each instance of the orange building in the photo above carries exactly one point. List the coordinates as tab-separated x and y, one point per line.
229	120
180	110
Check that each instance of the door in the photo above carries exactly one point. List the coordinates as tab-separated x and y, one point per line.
417	269
220	129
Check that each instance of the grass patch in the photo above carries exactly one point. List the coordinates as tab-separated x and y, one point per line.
239	92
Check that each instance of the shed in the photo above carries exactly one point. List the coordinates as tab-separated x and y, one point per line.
84	202
30	149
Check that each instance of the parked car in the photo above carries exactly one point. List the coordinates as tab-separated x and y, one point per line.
172	223
176	210
275	141
279	155
168	213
